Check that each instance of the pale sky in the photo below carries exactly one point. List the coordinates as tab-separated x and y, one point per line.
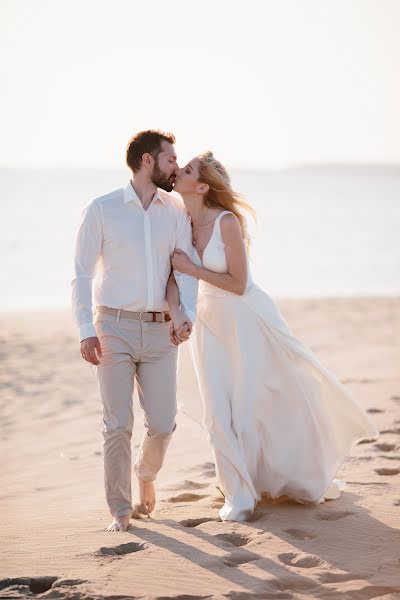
265	84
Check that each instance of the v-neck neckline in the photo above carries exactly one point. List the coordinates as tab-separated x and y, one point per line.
211	237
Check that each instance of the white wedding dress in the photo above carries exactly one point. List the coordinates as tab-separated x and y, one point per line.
279	423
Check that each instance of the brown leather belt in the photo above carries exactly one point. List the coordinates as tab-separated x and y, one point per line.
145	317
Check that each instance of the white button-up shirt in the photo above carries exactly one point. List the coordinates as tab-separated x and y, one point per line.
127	251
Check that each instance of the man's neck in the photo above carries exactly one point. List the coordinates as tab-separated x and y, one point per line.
144	189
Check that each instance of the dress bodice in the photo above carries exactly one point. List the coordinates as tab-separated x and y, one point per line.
214	258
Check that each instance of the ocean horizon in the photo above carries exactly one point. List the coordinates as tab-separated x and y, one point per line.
322	230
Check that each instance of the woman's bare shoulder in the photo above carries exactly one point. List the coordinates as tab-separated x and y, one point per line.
230	227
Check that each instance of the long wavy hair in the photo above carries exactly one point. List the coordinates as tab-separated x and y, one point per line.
220	193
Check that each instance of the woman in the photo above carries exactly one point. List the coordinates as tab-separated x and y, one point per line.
279	423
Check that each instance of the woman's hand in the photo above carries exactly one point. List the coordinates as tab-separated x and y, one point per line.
181	262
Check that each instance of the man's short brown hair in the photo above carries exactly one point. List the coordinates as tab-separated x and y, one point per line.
145	142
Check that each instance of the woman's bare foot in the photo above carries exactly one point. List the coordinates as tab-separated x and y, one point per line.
147	494
119	524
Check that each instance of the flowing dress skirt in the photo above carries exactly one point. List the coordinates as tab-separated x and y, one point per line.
279	423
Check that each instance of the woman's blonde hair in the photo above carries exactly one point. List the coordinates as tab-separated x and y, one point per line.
220	193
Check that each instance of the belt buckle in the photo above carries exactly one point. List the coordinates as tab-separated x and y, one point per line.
140	316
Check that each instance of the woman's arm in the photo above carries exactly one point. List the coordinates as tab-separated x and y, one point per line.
235	280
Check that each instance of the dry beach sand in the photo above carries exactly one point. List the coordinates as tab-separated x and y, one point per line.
52	503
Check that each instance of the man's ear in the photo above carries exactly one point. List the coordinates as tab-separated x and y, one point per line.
203	188
147	160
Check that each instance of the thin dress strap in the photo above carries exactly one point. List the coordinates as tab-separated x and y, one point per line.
218	221
221	214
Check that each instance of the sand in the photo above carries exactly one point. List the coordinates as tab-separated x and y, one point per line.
53	510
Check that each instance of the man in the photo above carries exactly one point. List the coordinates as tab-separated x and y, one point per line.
126	239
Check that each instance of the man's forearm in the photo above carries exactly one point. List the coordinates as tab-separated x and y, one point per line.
173	295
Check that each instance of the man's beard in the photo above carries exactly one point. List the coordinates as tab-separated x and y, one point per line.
161	180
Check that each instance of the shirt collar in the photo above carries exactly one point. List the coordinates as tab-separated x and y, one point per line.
131	196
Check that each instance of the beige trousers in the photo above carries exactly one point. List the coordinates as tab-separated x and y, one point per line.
132	349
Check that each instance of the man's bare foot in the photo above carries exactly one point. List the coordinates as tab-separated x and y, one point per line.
119	524
140	511
147	495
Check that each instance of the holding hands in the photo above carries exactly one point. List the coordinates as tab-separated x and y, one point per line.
180	328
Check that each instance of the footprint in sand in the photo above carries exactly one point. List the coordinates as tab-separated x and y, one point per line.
37	585
186	485
186	497
239	557
375	410
300	534
385	447
236	539
388	471
196	522
334	515
328	577
303	561
121	549
396	502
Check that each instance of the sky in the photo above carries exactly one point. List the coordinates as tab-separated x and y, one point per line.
265	84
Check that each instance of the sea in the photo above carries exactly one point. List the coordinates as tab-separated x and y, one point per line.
321	231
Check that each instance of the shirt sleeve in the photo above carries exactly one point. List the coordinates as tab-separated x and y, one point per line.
187	285
87	252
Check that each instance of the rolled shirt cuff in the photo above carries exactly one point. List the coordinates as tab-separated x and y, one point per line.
190	315
86	330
